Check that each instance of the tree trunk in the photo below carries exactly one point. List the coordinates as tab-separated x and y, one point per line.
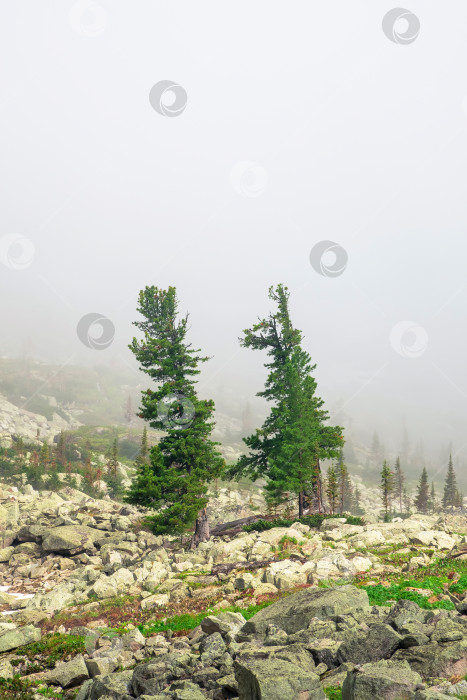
301	503
201	533
316	503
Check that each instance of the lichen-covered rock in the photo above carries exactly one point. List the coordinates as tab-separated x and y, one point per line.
295	612
277	673
436	660
14	638
383	680
69	538
69	674
379	643
223	623
151	678
115	686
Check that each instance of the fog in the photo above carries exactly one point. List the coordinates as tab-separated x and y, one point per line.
293	124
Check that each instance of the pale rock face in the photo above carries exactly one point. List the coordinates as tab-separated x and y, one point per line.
155	601
285	574
434	538
367	539
104	588
361	564
231	551
152	571
326	569
301	527
112	557
261	550
122	579
265	588
274	536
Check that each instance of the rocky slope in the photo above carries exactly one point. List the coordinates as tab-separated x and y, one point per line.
19	421
77	565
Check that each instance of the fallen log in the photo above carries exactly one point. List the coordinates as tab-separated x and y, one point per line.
224	528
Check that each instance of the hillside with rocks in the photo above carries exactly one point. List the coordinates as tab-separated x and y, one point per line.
270	607
139	616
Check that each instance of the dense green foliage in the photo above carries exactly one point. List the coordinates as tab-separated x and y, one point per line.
189	622
52	648
174	481
333	693
313	520
288	447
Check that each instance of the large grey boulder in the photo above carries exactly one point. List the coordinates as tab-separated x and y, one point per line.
101	666
224	623
69	674
296	612
276	673
115	686
12	639
151	678
436	660
6	553
69	539
384	680
379	643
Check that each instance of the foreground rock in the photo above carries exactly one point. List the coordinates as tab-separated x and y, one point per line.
297	612
384	680
293	654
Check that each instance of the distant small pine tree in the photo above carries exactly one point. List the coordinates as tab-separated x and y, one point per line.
399	479
387	486
423	493
60	450
53	481
114	482
89	472
44	456
71	481
344	485
143	457
19	446
450	486
357	507
406	500
332	489
112	463
432	503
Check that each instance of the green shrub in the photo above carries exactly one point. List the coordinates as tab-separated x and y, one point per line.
314	520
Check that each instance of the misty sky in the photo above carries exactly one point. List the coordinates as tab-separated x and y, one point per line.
303	122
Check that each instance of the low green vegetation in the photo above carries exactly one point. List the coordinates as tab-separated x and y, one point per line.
382	595
333	693
314	520
21	689
51	648
184	574
441	576
188	621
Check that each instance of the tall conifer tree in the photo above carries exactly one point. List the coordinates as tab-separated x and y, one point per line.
288	448
185	459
